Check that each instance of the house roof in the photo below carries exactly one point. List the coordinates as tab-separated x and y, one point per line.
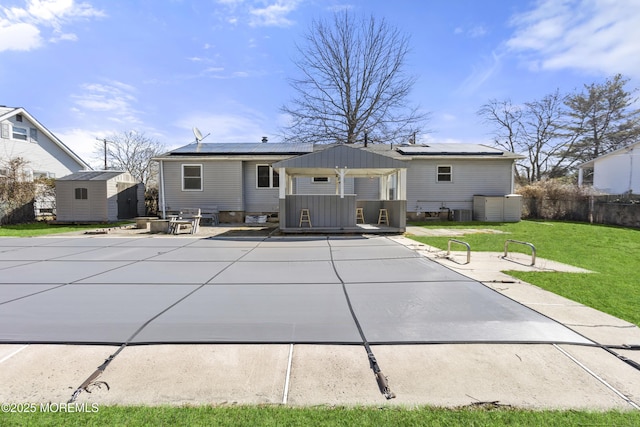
206	149
92	176
8	112
400	152
592	162
449	150
342	156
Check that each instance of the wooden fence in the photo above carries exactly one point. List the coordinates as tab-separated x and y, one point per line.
623	210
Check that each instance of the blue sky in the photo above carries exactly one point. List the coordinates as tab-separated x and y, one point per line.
86	69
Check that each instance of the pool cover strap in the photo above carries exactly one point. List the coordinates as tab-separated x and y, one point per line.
91	381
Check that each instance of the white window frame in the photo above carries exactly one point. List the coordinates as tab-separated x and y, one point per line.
199	165
25	134
274	178
439	174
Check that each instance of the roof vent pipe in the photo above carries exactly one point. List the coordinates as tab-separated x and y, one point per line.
365	138
265	139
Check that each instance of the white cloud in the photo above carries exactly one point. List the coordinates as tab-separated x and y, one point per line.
114	98
21	28
257	13
84	143
472	32
477	31
274	15
246	126
490	66
340	7
19	36
591	35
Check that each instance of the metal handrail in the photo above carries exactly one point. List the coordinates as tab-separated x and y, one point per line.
533	249
462	243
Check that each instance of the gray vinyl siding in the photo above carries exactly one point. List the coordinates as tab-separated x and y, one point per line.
258	199
367	188
93	208
101	203
305	185
470	177
221	185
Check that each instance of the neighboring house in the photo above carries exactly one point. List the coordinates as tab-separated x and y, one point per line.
257	178
21	135
617	172
98	196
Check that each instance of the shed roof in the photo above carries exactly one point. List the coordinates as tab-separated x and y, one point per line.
92	176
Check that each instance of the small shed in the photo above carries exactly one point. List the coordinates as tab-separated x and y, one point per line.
497	208
98	196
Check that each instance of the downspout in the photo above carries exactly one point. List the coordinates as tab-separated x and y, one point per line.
164	211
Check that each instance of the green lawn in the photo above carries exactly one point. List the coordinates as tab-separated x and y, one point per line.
42	228
612	252
323	416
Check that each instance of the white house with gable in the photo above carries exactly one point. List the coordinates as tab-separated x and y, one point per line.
617	172
21	135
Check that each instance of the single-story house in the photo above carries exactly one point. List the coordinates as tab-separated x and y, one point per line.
617	172
410	181
98	196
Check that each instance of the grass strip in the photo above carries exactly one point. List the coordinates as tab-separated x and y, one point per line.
319	416
35	229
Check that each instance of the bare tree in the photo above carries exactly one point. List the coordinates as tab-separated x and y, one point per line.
132	151
532	130
353	82
542	137
506	120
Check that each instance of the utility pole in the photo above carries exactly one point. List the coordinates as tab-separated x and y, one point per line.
104	141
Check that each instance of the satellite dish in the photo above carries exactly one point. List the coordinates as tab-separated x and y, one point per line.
197	134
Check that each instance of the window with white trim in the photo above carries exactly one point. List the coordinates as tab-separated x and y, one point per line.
267	177
20	133
445	173
320	179
191	177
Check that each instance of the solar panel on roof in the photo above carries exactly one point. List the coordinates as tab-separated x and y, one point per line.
244	148
449	149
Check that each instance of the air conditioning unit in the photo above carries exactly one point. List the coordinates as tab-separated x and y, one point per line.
462	215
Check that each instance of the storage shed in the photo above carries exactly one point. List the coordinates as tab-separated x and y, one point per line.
497	208
98	196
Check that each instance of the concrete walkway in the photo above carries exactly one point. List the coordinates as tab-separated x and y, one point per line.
529	376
